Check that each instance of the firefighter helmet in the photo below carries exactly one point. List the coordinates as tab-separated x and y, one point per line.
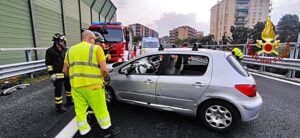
58	36
99	37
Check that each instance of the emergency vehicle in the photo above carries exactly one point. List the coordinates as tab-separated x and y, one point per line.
115	38
149	44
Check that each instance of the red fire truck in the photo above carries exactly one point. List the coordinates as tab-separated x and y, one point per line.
115	38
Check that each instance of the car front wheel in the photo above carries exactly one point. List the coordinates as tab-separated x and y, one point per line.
109	95
219	116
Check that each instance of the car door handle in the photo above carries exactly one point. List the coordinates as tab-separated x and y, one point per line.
198	84
149	81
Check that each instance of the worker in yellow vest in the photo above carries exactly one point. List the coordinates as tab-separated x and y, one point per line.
237	53
82	64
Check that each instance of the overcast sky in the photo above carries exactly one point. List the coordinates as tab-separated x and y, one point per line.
164	15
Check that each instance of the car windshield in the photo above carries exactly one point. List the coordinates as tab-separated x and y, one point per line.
150	45
114	35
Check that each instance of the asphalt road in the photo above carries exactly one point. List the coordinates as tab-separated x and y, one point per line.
30	113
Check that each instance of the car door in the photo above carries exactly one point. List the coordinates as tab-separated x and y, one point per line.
183	82
137	80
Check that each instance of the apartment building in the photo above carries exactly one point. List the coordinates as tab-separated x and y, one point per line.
227	13
143	31
182	32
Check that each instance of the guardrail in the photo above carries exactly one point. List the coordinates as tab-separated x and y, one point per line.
291	64
285	63
16	69
11	70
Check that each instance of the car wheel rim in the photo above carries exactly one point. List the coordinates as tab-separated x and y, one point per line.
218	116
108	96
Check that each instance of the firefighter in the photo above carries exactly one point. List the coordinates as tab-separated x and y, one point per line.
54	62
237	53
86	66
100	41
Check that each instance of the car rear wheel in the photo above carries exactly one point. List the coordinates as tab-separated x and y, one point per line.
219	116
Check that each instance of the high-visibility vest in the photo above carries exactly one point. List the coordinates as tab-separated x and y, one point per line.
238	52
84	69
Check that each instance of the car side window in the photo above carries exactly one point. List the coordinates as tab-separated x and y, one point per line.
187	65
125	68
144	66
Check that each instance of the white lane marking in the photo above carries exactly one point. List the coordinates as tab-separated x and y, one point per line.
273	78
69	131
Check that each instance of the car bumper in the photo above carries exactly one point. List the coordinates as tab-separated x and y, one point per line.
250	109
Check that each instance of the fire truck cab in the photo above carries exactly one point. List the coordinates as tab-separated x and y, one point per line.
114	38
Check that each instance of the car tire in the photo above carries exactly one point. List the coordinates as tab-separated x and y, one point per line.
219	116
110	96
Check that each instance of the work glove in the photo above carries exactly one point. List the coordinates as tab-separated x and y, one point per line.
53	77
107	80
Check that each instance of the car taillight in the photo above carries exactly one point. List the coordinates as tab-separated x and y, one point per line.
249	90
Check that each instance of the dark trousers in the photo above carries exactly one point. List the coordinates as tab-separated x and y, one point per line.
58	84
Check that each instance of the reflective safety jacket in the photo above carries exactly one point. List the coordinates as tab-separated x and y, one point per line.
84	68
55	61
237	52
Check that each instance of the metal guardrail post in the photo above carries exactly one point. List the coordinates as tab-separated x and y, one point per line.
245	49
28	59
223	48
28	55
297	47
263	68
294	54
291	72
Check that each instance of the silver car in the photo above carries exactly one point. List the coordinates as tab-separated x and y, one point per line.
208	84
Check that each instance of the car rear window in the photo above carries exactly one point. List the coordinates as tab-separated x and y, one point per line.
237	66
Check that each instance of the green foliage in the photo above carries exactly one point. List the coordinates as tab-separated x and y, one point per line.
178	42
288	25
240	35
257	30
209	39
136	39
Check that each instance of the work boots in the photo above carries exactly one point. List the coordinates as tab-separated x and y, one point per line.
88	135
60	108
111	131
69	101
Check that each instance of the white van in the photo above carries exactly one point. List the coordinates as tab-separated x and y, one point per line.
150	44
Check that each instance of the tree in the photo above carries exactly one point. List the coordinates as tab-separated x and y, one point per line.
178	42
209	39
257	30
192	40
136	39
288	25
240	35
